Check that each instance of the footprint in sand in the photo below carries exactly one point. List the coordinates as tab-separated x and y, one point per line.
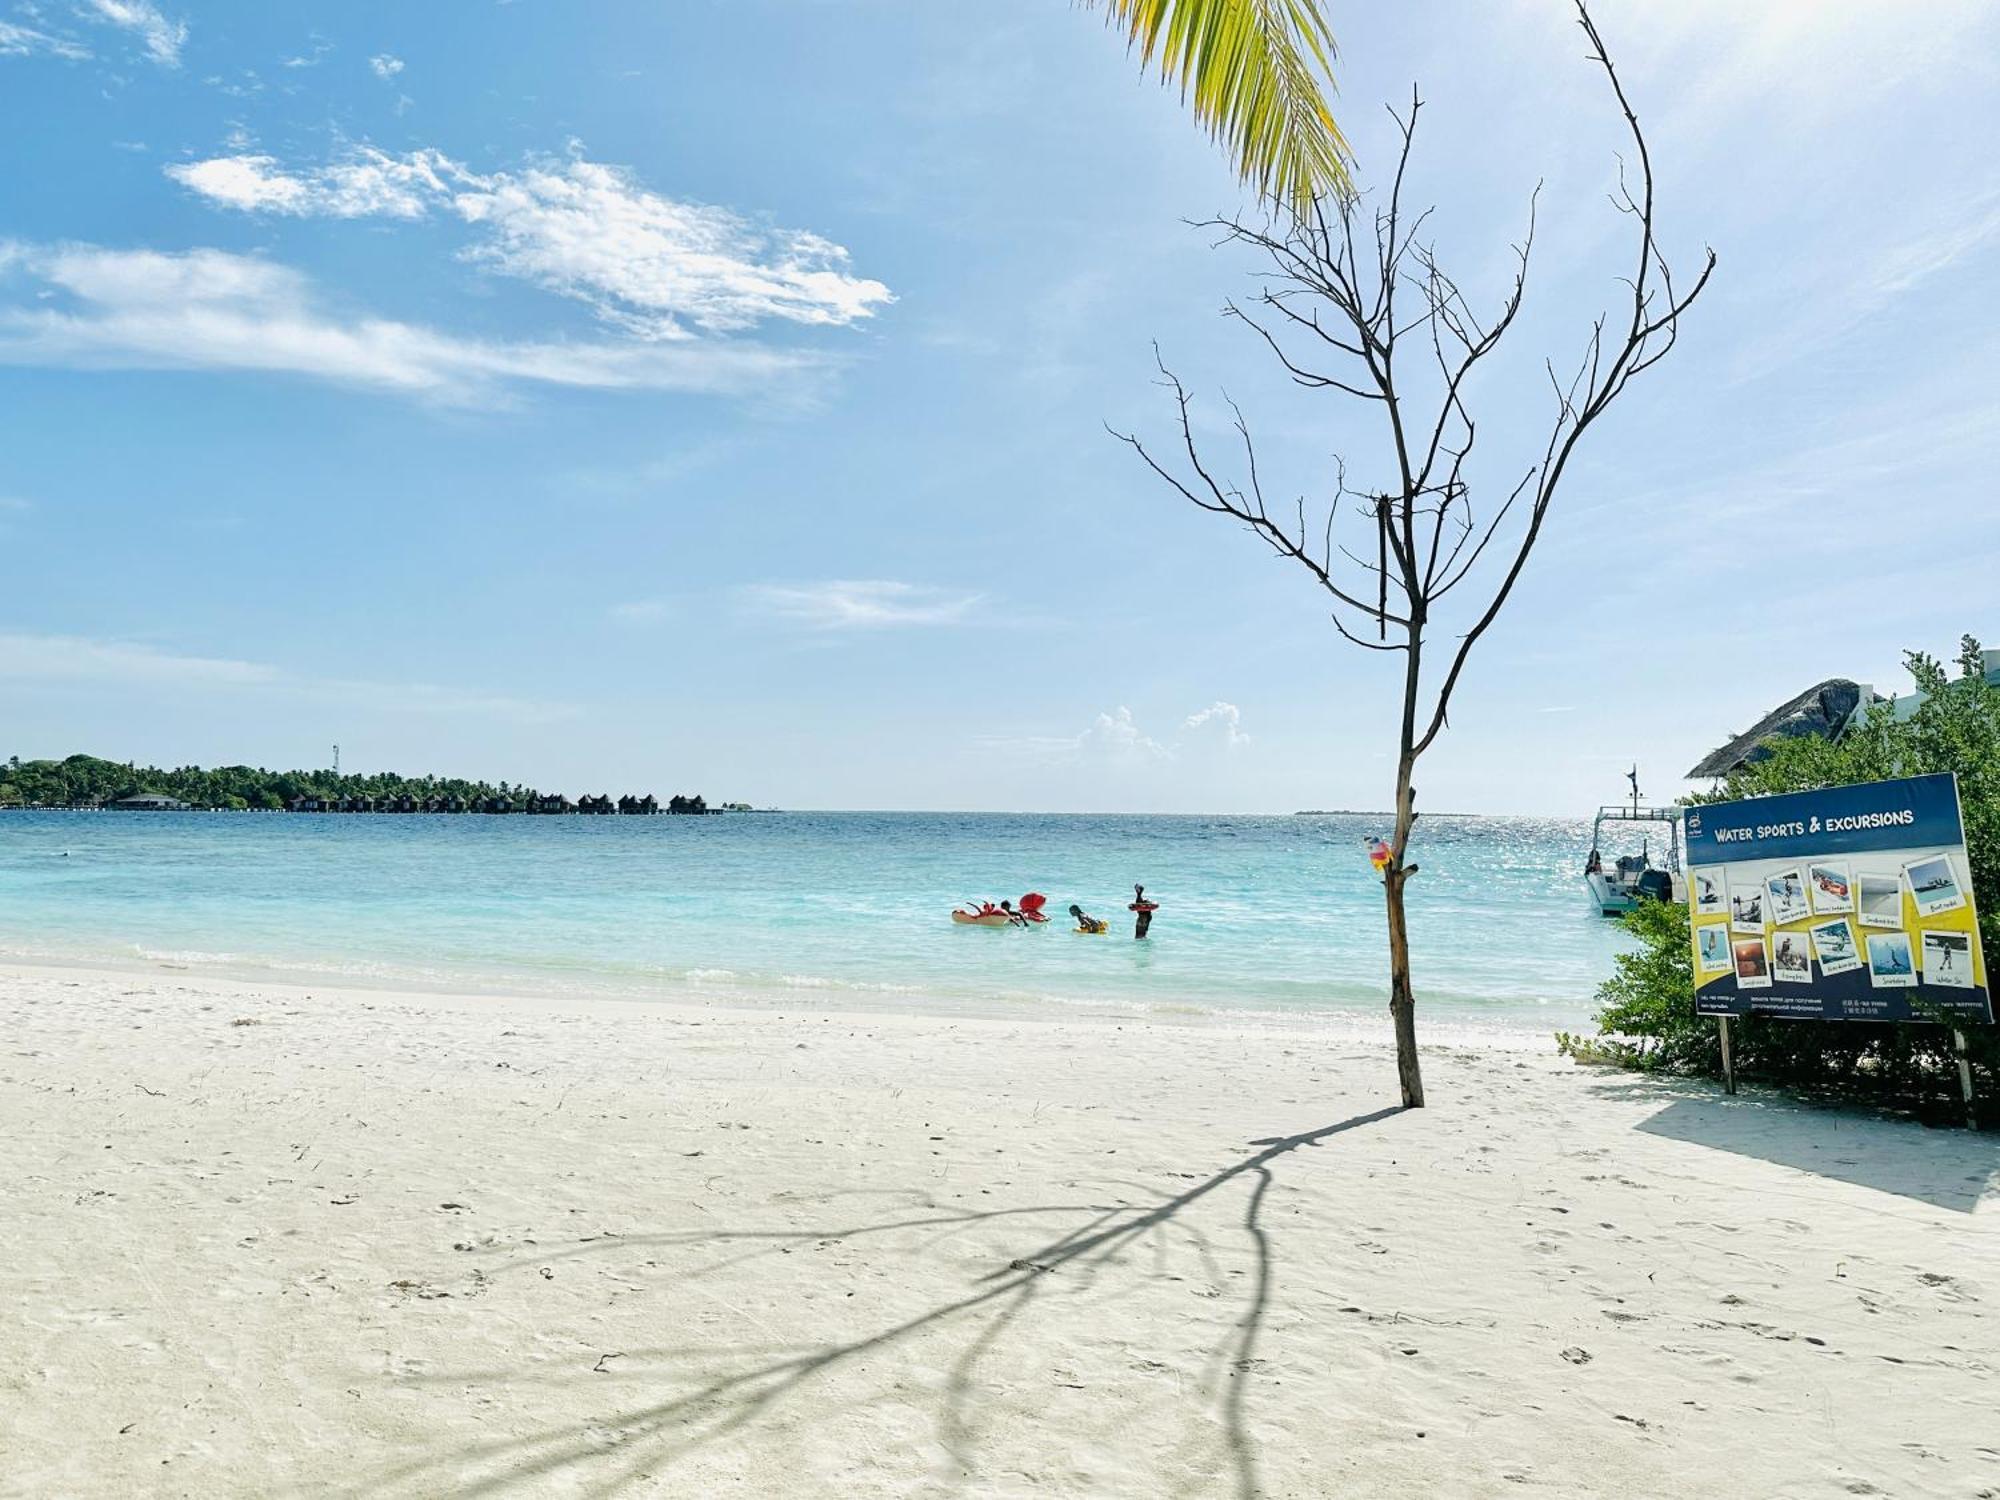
1949	1287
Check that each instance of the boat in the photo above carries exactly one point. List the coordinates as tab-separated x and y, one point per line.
1619	886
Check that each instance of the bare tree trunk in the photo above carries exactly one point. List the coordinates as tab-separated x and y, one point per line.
1324	298
1402	1001
1402	995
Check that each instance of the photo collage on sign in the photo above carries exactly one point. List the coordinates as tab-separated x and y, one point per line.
1769	924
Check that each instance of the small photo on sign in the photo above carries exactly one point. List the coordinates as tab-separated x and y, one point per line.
1746	910
1831	888
1753	964
1711	893
1890	966
1948	959
1880	900
1933	886
1834	943
1712	948
1791	963
1785	897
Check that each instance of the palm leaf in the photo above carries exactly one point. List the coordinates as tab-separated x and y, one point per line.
1257	74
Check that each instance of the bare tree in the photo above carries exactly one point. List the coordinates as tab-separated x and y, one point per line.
1390	555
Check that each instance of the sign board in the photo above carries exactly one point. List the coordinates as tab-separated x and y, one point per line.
1849	904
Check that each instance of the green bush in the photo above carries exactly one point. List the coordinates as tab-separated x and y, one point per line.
1648	1019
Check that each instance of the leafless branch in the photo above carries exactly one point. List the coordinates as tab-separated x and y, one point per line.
1353	284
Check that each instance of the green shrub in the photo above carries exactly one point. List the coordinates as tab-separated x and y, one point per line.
1648	1018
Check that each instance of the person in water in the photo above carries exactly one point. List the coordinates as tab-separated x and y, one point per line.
1145	910
1085	922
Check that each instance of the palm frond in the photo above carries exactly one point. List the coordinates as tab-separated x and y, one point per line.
1258	74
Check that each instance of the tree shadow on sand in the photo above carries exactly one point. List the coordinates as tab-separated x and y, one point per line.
734	1388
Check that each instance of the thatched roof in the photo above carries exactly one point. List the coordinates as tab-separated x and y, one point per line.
1822	710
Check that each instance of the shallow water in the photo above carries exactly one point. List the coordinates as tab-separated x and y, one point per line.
1271	915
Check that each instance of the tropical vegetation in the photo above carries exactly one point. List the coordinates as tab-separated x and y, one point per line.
1648	1018
1256	73
86	781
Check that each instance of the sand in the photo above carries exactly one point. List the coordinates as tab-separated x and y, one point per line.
271	1241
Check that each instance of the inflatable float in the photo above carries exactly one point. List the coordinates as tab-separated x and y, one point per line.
986	914
995	918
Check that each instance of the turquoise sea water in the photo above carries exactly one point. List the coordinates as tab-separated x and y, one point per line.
1271	915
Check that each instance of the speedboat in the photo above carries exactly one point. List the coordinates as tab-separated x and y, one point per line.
1619	886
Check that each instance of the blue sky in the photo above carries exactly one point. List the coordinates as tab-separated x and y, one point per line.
712	396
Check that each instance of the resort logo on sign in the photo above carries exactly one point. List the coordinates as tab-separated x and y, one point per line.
1853	903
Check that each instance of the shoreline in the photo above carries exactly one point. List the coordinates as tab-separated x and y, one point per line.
265	1240
830	997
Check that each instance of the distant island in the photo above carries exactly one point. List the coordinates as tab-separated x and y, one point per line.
86	782
1368	812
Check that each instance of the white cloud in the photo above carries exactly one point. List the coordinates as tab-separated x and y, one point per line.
25	41
385	65
651	265
1118	736
90	307
246	182
368	183
79	660
1226	717
870	604
163	38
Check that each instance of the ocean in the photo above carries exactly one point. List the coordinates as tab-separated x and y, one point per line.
1274	917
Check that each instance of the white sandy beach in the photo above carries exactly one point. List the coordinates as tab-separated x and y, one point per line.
272	1241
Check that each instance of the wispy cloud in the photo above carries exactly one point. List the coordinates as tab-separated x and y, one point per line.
162	37
312	59
654	266
1858	288
67	658
385	65
1116	737
85	306
861	604
82	661
26	41
1813	58
641	611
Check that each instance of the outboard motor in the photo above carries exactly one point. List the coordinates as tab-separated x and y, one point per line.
1657	884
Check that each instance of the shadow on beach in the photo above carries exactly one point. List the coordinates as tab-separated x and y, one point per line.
716	1392
1946	1168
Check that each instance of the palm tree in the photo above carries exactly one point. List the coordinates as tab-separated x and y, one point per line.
1257	74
